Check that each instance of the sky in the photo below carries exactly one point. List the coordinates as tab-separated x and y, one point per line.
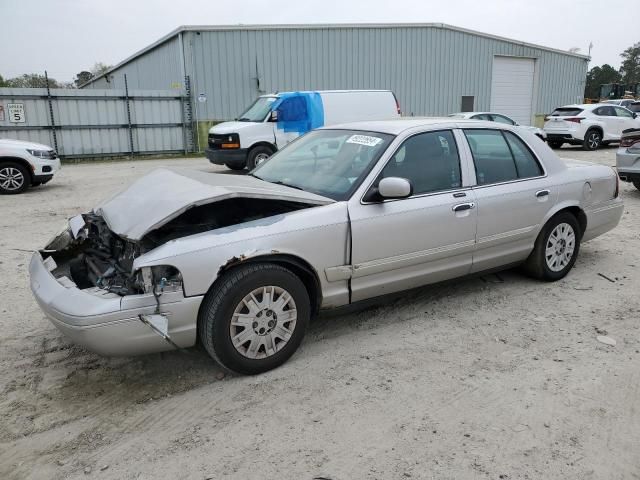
65	37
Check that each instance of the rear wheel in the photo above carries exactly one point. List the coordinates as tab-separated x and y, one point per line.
555	144
14	178
254	318
257	155
556	248
592	140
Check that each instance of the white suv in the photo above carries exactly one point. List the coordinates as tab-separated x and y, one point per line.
25	164
589	125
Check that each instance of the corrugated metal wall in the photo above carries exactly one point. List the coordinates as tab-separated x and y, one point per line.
158	69
428	67
95	122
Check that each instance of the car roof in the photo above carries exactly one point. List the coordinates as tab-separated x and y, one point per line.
397	126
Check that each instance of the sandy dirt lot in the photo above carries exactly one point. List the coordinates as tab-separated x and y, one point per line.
492	377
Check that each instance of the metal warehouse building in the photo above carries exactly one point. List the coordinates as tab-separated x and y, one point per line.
434	69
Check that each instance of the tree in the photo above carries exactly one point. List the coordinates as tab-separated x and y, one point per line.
31	80
3	83
597	76
82	77
99	68
630	68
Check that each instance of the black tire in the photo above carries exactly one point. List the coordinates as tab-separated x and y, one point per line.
218	306
234	166
16	172
592	140
636	183
536	265
555	144
257	153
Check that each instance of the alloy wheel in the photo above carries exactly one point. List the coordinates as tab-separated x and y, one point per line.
11	178
560	247
263	322
594	140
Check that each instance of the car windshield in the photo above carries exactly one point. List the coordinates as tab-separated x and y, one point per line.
331	163
258	111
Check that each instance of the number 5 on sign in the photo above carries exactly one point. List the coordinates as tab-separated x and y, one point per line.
16	112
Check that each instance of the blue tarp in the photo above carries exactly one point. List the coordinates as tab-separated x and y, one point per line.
299	111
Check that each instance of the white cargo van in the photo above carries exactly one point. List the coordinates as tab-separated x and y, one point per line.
275	120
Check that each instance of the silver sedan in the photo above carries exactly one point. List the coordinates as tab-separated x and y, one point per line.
341	215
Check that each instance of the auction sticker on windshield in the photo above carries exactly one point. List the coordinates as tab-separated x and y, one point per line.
364	140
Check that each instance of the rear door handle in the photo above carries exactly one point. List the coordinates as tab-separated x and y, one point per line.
463	206
542	193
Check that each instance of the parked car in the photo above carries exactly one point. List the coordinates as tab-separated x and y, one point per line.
589	125
628	157
622	102
500	118
634	107
25	164
274	120
341	215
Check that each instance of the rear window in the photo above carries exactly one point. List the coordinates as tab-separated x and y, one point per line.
566	112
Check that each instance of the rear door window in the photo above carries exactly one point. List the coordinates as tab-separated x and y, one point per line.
605	111
502	119
500	157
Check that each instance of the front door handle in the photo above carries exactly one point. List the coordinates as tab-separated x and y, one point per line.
542	193
463	206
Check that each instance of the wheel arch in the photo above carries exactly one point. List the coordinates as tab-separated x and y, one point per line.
22	162
572	208
300	267
269	145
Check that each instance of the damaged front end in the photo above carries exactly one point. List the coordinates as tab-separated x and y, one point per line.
90	255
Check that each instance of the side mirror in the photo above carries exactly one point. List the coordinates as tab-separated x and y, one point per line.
394	187
635	115
273	116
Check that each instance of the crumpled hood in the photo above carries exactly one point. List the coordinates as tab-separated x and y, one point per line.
163	194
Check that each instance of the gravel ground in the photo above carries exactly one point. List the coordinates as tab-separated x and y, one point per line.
492	377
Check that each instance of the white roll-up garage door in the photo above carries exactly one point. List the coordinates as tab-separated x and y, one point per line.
512	88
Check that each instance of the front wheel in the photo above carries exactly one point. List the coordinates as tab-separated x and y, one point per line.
556	248
257	155
254	318
592	140
14	178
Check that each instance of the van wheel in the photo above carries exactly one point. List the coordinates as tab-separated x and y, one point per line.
257	155
556	248
592	140
254	317
14	178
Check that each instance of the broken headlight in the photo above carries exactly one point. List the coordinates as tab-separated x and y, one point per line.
159	278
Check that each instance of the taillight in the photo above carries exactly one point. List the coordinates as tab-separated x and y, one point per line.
573	119
630	141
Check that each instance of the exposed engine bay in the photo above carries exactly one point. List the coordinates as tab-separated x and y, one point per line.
91	255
